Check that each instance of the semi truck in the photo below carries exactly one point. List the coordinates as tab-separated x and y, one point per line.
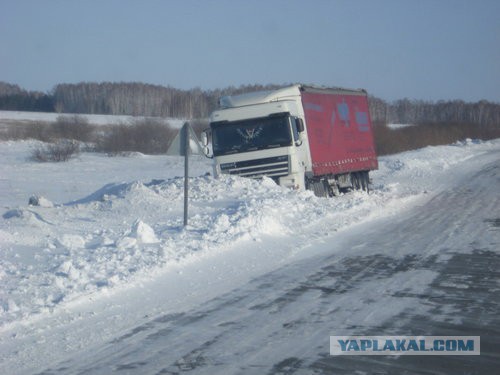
301	136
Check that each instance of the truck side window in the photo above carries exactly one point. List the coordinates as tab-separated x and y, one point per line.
295	131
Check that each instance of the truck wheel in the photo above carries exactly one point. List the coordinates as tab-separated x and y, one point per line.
366	181
320	188
363	181
356	183
360	180
353	181
334	190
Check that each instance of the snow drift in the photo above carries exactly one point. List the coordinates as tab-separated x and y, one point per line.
99	275
56	252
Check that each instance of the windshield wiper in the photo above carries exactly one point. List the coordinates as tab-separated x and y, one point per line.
227	152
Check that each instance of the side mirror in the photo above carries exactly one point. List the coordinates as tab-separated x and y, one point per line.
204	137
300	124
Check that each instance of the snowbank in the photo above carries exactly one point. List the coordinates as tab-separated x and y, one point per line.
57	253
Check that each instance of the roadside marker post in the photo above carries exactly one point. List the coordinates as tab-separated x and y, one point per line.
181	146
187	149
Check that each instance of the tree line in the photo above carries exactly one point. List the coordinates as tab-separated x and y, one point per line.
140	99
13	98
406	111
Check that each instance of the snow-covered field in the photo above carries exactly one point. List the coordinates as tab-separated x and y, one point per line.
103	264
27	117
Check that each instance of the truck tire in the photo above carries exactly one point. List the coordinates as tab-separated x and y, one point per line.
356	181
319	187
360	181
366	181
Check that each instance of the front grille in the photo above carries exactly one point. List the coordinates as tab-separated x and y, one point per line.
276	166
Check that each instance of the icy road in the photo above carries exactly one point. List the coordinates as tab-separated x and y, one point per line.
109	282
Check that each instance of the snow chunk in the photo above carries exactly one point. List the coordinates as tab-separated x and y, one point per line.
36	200
67	269
72	241
126	243
15	213
143	232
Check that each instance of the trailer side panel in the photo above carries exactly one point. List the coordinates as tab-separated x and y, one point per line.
340	132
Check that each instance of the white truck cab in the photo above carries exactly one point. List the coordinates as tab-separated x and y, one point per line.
262	134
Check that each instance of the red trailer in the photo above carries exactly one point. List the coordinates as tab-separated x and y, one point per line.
339	130
340	136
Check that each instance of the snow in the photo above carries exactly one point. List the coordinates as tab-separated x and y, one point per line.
24	117
101	249
399	126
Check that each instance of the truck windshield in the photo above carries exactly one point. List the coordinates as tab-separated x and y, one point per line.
250	135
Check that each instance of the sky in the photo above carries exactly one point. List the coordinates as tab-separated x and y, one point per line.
416	49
